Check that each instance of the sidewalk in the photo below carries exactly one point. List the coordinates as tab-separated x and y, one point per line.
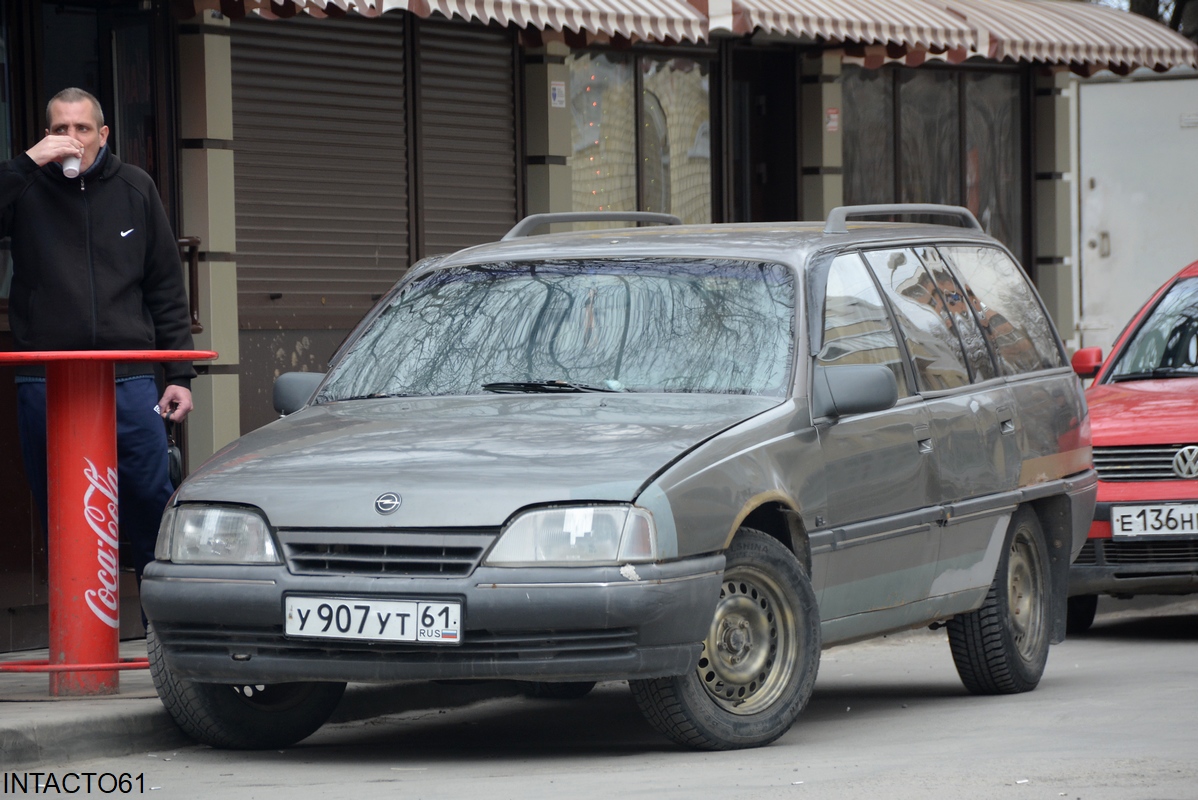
37	730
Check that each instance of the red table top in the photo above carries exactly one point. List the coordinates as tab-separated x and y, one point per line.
42	356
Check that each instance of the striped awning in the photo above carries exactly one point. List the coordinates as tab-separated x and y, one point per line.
910	23
1072	33
657	20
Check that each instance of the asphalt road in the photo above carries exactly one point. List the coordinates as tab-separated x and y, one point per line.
1113	718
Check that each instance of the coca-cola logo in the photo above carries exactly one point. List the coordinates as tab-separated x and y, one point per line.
100	509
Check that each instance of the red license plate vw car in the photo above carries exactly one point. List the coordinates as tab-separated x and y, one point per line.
1144	414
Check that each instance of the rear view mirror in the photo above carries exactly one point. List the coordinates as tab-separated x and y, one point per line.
853	389
1087	361
293	390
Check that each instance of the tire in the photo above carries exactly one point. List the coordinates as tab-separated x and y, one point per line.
1080	613
242	717
759	661
1002	647
573	690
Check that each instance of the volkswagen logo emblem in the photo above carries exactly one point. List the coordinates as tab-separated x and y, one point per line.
388	503
1185	463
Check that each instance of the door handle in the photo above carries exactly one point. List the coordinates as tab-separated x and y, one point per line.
1006	426
925	445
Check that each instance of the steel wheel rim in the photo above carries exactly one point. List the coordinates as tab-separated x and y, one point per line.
271	696
750	653
1025	592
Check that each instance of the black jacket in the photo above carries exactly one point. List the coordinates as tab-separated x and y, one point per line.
95	263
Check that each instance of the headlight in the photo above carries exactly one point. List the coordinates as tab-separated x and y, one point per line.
196	534
577	535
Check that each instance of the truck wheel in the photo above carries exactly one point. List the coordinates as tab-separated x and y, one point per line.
759	660
1002	647
1079	615
242	717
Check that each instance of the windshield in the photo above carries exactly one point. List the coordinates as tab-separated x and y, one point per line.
1167	342
707	325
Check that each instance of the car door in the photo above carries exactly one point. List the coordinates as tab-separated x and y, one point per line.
879	537
970	411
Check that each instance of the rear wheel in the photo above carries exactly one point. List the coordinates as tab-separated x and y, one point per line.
1080	614
759	660
242	716
1002	647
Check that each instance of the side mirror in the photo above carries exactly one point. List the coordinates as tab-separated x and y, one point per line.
1087	361
853	389
293	390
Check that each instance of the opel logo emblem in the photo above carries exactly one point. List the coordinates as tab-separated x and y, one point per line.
1185	463
388	503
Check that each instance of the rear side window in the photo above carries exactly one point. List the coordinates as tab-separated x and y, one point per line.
955	311
919	307
856	325
1007	309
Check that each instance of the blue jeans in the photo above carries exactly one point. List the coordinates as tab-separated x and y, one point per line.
143	480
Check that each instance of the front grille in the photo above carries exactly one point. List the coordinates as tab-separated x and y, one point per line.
439	553
497	648
1112	553
1154	463
1088	556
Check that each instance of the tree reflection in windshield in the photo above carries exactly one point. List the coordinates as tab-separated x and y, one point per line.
711	326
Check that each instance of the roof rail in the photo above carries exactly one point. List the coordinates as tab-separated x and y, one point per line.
533	221
838	216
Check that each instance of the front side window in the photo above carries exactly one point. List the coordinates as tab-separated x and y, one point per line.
1166	343
857	328
702	326
1007	309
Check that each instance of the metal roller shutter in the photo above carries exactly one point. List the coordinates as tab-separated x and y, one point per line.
320	159
466	83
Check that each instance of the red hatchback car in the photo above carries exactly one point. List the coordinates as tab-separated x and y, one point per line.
1144	414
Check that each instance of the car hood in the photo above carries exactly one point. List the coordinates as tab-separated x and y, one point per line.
1144	412
460	461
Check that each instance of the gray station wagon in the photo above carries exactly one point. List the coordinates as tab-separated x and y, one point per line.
688	457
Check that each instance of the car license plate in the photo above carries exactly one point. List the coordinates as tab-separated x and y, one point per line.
423	621
1160	520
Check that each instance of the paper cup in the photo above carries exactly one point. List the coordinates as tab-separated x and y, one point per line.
70	166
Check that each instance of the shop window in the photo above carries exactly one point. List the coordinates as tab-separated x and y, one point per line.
930	135
667	167
868	96
929	143
603	166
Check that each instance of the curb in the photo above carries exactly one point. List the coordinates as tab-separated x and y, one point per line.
56	733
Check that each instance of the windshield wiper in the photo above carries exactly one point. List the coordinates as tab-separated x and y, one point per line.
375	396
549	387
1158	372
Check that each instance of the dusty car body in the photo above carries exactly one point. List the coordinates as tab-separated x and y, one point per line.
1144	417
687	457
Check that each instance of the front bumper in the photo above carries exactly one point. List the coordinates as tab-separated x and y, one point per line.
1127	567
225	624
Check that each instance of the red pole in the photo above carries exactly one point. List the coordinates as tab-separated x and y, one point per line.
84	555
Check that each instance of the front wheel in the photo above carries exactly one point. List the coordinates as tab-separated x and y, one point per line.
1002	647
242	716
759	660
